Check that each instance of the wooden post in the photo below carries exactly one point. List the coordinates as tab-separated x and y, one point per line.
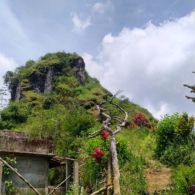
1	173
109	177
68	172
115	166
76	177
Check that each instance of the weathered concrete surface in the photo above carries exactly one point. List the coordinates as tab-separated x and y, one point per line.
11	141
32	168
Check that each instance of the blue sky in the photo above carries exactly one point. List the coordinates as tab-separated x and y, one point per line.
153	41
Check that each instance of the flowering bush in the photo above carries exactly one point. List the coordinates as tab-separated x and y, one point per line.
98	154
140	120
104	134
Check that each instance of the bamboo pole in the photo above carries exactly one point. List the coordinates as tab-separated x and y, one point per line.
59	185
20	176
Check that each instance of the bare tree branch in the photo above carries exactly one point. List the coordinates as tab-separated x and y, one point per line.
190	87
95	133
118	92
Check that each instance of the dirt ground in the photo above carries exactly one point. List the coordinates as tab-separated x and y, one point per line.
157	179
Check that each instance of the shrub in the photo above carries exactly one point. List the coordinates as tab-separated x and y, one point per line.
140	120
165	133
124	154
49	102
175	155
15	113
173	140
185	125
183	179
79	121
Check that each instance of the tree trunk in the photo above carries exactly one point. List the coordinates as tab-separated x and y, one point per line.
109	177
115	166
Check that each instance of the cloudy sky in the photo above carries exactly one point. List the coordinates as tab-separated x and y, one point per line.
145	48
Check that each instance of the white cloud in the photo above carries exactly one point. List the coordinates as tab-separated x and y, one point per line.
92	66
79	24
6	64
159	110
150	64
101	8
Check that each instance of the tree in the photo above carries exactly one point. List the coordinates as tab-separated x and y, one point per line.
113	166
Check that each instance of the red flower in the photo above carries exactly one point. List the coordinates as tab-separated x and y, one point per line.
104	134
98	154
140	120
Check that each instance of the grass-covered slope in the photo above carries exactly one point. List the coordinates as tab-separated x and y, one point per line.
54	96
55	81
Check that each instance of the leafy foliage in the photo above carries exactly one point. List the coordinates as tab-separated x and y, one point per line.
183	179
174	140
9	186
14	114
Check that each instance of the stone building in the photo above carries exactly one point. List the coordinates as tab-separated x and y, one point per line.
34	158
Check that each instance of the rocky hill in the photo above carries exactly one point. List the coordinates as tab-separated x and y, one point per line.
54	96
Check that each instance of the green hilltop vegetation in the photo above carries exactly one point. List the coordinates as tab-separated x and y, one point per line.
55	97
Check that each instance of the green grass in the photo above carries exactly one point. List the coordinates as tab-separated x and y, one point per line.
140	142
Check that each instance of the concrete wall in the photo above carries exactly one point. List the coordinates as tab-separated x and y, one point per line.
11	141
34	169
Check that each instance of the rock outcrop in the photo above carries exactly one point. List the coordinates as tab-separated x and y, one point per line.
42	78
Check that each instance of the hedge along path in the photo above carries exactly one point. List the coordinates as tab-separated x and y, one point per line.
20	176
113	148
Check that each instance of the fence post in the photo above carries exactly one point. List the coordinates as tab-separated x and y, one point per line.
109	177
76	176
1	173
68	172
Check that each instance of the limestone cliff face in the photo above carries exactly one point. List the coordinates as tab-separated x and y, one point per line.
42	79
